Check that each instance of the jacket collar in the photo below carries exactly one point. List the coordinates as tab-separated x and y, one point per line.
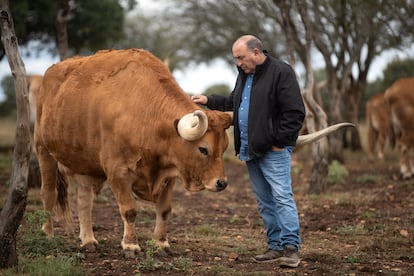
259	68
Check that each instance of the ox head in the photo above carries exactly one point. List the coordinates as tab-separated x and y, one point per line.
203	142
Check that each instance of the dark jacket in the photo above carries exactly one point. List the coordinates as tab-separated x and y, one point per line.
276	110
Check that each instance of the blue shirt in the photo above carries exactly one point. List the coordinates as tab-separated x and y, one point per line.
243	118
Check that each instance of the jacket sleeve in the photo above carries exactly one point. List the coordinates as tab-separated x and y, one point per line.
290	106
219	102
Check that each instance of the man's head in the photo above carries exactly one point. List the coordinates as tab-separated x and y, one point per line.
248	52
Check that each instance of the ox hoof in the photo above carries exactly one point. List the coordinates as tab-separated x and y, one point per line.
89	247
130	249
165	252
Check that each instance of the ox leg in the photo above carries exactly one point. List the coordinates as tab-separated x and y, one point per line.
381	145
163	209
372	140
128	209
404	161
410	153
85	197
48	169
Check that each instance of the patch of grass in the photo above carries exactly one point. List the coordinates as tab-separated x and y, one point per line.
150	263
205	230
376	228
350	230
367	215
60	265
181	263
337	172
234	219
143	234
35	243
368	178
40	255
353	259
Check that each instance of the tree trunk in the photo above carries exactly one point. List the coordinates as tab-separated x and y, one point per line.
13	210
316	118
335	116
318	180
355	95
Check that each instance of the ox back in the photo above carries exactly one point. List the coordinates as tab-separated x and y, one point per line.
117	116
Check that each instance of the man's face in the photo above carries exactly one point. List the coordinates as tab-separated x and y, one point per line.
245	59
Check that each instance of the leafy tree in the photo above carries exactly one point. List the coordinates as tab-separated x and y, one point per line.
154	34
201	31
219	89
92	24
396	69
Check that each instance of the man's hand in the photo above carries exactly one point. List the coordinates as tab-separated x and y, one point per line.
199	99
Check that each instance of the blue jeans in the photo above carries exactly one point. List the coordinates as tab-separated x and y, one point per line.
271	184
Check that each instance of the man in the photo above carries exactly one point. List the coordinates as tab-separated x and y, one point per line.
268	114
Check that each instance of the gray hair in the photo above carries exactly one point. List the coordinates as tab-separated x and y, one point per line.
254	42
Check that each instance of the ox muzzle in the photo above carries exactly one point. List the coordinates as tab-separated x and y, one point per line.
221	184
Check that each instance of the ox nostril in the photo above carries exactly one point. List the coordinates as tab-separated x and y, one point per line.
221	184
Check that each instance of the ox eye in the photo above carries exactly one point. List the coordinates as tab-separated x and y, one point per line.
204	151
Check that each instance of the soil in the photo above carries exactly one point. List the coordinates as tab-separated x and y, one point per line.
362	226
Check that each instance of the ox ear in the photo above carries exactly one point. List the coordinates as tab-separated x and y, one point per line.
219	118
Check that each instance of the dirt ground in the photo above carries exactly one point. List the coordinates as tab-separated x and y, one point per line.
363	226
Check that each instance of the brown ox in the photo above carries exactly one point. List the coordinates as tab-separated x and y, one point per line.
120	116
378	120
400	97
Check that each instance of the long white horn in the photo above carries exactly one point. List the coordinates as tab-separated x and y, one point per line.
309	138
192	126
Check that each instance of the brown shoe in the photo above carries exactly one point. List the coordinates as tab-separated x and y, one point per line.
269	256
290	257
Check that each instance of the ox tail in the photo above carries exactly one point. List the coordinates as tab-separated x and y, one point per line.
392	135
312	137
62	208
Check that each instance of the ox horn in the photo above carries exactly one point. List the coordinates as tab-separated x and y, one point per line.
309	138
193	126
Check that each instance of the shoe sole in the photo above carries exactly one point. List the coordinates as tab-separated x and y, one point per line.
266	261
289	265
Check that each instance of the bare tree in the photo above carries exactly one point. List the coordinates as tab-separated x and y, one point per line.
315	115
12	213
319	119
